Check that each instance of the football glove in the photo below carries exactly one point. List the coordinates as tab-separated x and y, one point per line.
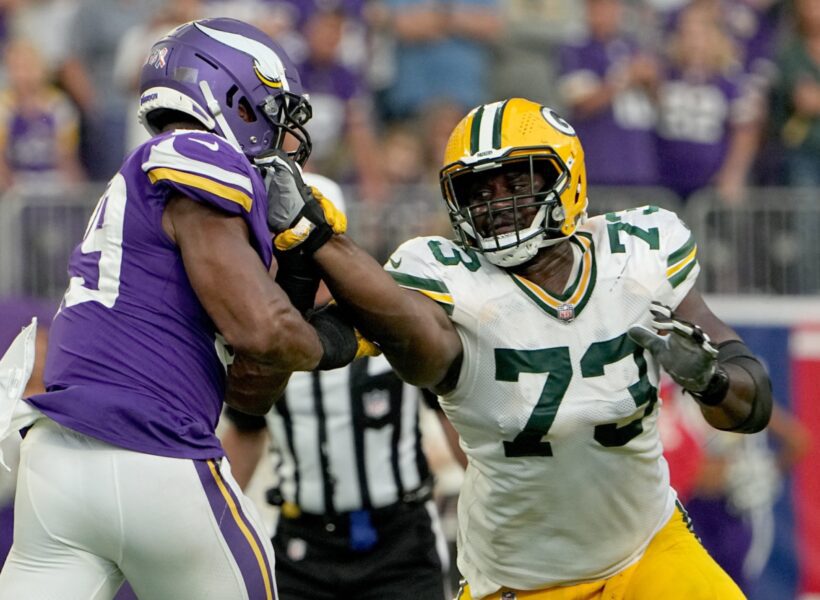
298	277
365	347
299	215
685	351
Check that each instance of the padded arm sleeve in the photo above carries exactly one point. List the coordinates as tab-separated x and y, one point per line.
737	353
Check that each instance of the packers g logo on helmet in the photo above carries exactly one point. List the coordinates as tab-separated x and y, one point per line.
515	133
557	121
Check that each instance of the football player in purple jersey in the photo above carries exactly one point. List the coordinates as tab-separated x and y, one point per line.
171	307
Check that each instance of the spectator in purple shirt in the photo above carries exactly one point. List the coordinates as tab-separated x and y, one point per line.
606	82
39	126
708	125
344	144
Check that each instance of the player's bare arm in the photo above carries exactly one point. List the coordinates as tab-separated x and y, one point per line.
414	333
269	336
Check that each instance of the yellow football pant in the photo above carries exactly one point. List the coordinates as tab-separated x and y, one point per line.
675	566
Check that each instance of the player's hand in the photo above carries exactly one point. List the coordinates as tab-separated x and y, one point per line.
299	215
685	351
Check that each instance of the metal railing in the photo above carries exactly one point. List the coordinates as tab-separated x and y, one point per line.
769	244
39	227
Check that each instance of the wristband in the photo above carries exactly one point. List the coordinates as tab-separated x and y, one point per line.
317	238
338	338
716	391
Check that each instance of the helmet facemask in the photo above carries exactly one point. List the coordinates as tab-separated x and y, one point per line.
508	230
289	113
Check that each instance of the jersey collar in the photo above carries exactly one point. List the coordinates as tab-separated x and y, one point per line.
569	304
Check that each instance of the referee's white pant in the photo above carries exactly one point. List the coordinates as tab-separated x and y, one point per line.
89	515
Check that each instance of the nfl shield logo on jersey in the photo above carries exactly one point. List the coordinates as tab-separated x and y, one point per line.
508	596
566	312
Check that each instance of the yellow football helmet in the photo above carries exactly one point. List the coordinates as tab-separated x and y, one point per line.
514	133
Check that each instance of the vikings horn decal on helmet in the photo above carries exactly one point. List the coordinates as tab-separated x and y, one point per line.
230	77
522	136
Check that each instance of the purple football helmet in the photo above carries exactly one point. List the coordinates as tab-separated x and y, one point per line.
230	77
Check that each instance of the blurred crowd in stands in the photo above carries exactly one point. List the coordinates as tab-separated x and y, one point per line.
679	93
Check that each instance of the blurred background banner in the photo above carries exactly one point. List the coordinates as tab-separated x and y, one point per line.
805	354
785	333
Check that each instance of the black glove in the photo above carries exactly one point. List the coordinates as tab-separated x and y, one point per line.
299	215
299	277
685	352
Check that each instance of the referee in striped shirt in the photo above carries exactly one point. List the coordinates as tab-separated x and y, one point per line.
356	516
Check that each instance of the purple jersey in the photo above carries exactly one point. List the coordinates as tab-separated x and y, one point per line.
134	359
331	88
619	144
752	25
302	10
696	117
32	138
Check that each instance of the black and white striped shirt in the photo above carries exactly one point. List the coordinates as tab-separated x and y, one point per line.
348	439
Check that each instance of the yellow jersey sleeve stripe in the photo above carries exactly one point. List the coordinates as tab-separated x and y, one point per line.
670	271
677	274
202	183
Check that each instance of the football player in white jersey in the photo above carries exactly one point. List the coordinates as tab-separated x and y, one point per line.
538	328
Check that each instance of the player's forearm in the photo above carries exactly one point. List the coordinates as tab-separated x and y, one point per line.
736	406
404	327
254	384
747	405
369	295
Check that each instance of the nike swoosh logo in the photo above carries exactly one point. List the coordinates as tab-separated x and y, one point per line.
213	146
395	263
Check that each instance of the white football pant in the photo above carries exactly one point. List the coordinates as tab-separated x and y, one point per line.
89	515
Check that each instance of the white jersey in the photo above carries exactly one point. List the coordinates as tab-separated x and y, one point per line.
555	406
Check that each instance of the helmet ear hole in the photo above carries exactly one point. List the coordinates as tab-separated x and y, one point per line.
245	110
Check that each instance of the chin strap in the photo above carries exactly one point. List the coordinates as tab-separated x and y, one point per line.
216	111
